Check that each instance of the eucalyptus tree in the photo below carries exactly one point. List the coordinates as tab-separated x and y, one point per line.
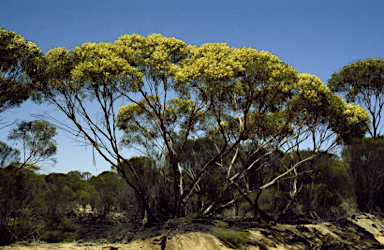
167	114
173	93
244	97
22	202
365	167
19	60
103	75
108	185
36	138
363	82
256	99
19	63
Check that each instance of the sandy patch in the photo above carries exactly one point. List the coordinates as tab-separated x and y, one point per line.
372	224
365	231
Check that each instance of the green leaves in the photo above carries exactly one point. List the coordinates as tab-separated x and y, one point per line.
359	77
140	120
365	167
36	138
8	155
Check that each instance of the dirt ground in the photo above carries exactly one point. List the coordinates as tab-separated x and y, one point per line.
362	231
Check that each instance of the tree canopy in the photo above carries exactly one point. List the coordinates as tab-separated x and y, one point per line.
363	82
242	100
19	61
36	138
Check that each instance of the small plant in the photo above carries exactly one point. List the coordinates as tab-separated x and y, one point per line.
221	224
234	237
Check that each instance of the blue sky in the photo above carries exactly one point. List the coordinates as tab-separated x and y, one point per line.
314	36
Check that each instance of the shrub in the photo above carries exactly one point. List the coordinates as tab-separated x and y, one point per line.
61	231
234	237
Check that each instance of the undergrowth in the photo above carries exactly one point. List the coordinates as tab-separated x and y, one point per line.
234	237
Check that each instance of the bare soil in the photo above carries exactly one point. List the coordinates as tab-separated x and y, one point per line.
362	231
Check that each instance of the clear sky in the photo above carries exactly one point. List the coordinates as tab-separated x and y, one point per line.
314	36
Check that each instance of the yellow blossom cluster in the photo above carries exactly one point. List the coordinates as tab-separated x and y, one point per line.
254	85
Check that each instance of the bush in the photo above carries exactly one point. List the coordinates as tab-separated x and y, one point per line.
234	237
65	231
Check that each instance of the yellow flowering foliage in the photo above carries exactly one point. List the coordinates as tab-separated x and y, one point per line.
311	92
16	53
359	78
314	99
355	114
153	55
57	56
241	82
352	123
99	61
129	46
217	70
269	70
182	106
267	81
362	82
310	101
18	66
217	62
128	59
60	65
212	61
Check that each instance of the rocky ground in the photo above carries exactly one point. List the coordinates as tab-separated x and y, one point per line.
362	231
